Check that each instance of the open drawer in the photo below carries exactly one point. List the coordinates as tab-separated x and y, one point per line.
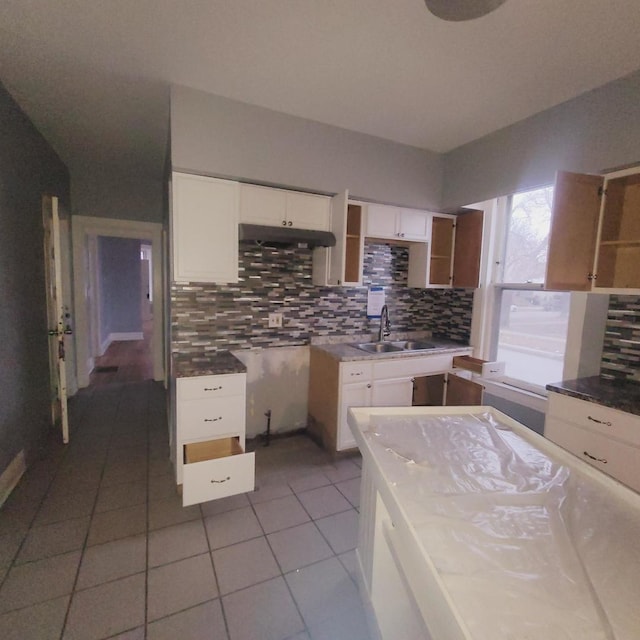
216	469
485	368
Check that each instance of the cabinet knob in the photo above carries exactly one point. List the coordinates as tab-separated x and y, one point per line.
284	223
290	223
369	385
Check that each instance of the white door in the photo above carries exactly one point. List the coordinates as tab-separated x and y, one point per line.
57	315
392	393
382	221
414	225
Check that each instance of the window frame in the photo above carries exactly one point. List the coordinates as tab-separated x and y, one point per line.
488	304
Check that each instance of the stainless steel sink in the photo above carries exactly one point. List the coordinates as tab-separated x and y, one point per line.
378	347
390	347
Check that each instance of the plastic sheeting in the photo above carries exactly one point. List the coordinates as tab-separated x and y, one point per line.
527	547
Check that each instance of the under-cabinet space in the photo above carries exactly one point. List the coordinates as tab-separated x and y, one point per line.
446	389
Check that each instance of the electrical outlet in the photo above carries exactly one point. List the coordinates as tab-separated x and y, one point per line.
275	320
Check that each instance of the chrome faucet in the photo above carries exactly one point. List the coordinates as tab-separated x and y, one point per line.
385	325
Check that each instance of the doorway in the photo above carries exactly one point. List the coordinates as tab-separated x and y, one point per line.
97	333
121	312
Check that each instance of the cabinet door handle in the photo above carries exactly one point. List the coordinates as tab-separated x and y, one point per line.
221	481
213	419
213	388
603	460
359	373
606	424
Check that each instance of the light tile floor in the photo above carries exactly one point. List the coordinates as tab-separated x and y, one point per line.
94	541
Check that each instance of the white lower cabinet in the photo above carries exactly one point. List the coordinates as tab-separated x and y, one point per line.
336	386
606	438
210	458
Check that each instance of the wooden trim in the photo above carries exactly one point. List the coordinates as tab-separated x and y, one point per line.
84	228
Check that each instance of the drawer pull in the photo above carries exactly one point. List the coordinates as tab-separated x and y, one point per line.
606	424
221	481
212	419
359	373
213	388
603	460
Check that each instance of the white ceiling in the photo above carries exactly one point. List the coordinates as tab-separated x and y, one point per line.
93	75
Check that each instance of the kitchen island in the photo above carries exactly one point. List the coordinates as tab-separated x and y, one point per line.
473	527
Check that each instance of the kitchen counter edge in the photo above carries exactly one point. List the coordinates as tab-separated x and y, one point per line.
190	365
616	394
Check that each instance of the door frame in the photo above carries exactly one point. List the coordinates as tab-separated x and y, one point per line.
85	230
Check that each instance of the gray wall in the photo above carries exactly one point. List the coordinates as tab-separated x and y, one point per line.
216	136
28	169
120	283
597	131
103	194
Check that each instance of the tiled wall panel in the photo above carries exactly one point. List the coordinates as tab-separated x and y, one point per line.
621	350
219	317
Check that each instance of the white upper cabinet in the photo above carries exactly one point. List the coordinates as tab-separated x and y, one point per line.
204	222
413	225
279	207
395	223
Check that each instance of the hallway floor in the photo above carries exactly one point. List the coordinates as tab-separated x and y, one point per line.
94	541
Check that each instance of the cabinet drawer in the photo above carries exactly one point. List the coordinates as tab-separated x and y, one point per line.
604	420
210	386
216	469
199	419
401	367
587	445
355	371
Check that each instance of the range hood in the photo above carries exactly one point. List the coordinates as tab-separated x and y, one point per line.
285	236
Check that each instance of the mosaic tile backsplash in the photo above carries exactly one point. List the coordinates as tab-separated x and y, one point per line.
210	317
621	349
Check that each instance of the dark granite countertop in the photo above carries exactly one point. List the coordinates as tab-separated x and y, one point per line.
617	394
188	365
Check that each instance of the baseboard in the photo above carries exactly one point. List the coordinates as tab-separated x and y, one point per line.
120	337
11	476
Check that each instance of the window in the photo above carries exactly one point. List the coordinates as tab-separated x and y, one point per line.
530	329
